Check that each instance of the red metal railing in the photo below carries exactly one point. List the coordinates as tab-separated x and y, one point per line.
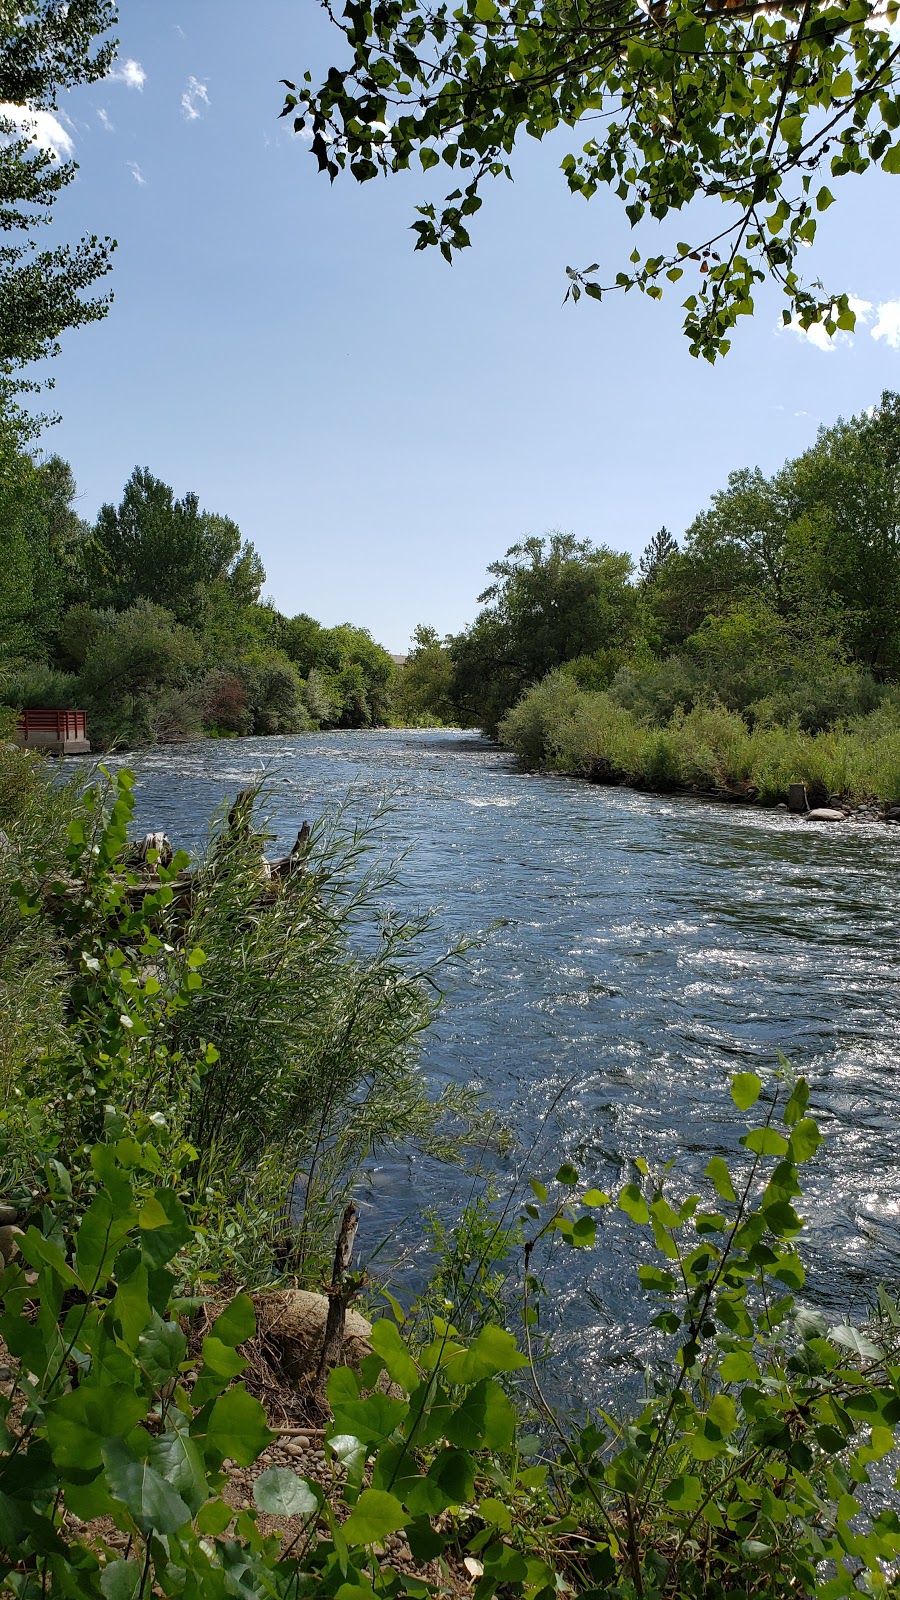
63	724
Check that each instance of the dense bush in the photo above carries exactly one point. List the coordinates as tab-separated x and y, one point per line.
709	748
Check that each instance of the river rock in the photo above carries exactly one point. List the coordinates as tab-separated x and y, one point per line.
825	814
293	1322
797	797
893	814
8	1214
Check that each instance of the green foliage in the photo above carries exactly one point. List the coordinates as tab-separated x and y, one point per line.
552	600
709	749
45	47
746	107
423	691
747	1470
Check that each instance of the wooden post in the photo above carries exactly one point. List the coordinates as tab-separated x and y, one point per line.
339	1296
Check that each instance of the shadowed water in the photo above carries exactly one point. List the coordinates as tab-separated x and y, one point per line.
649	948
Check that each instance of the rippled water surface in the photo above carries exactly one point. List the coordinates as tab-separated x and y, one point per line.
649	948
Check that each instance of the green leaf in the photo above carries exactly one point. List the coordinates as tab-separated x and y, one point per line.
765	1142
161	1349
486	1419
177	1458
745	1090
349	1451
720	1178
154	1504
237	1322
738	1367
805	1140
283	1494
595	1197
567	1174
164	1227
375	1515
850	1338
237	1427
214	1517
684	1493
633	1203
121	1580
387	1343
493	1351
78	1422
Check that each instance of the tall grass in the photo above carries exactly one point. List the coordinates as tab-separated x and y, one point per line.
709	749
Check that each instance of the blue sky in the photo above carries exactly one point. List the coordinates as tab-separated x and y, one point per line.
382	425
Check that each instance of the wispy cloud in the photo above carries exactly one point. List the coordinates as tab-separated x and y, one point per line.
136	173
103	119
131	73
194	100
44	129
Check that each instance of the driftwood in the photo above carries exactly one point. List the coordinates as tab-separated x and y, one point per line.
340	1293
136	859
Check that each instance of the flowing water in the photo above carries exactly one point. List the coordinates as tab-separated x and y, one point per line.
647	948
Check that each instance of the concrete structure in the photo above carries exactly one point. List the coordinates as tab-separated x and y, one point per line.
60	733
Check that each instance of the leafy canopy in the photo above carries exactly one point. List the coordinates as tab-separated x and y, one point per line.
45	46
673	100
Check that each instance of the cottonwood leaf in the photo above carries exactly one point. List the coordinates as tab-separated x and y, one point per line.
851	1339
237	1427
387	1343
154	1504
375	1515
120	1580
283	1494
237	1322
745	1090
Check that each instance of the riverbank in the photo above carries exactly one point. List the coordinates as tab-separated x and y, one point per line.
708	751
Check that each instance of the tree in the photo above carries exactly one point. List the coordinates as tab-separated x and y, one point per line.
660	550
423	690
740	102
45	46
552	600
152	547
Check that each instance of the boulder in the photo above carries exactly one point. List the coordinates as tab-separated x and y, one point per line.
825	814
893	815
292	1322
797	797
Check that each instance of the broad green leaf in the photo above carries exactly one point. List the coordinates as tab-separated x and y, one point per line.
595	1197
684	1493
349	1451
738	1366
387	1343
154	1504
494	1350
237	1322
720	1178
161	1349
178	1459
805	1140
164	1227
850	1338
283	1494
567	1174
214	1517
633	1203
237	1427
372	1420
375	1515
80	1421
765	1142
745	1090
485	1419
121	1580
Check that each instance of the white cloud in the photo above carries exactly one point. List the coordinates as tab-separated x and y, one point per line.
887	326
44	128
131	73
136	173
193	100
817	334
103	119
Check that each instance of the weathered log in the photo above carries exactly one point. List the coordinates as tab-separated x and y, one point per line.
293	862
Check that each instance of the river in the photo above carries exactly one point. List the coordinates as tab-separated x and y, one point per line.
648	948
